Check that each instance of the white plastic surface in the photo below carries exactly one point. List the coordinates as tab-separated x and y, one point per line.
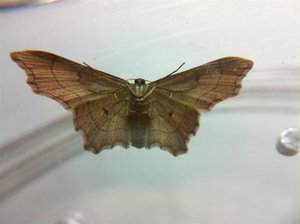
232	172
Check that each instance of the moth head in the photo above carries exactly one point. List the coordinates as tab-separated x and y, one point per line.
139	82
140	87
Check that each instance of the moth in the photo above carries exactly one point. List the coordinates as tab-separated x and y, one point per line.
111	111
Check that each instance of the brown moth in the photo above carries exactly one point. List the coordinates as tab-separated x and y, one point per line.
111	111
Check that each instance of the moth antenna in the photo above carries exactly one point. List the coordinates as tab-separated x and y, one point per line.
90	67
130	79
176	69
87	65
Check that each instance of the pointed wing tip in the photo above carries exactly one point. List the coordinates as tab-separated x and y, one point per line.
249	62
17	57
14	55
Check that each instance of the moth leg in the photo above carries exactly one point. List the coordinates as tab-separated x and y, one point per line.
127	106
115	95
150	109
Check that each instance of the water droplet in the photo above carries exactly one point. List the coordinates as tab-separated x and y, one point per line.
73	218
67	221
288	142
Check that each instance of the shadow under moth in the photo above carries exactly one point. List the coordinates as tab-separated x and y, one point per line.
111	111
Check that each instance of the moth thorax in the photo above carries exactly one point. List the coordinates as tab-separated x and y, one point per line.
140	87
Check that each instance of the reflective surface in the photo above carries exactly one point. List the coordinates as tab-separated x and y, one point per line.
232	172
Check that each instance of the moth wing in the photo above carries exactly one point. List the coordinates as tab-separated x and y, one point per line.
172	123
178	98
103	122
97	99
65	81
202	87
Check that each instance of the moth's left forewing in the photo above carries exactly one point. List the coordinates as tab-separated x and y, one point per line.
202	87
63	80
97	99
